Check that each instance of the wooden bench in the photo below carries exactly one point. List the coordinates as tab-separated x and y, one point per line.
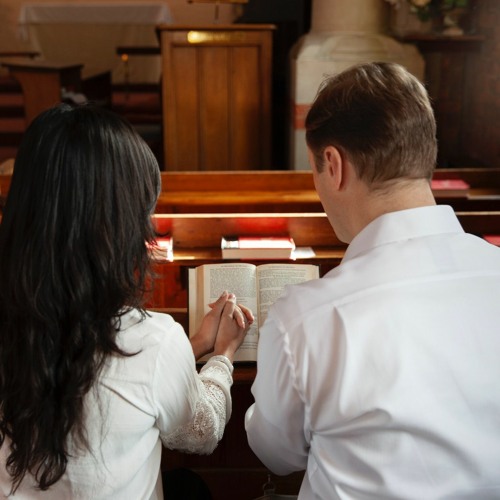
281	191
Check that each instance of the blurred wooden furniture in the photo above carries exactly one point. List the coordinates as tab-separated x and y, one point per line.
42	82
484	192
45	83
216	90
449	72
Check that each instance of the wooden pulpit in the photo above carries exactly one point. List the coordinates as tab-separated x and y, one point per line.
216	96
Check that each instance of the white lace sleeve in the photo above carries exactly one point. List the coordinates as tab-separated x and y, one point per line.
212	413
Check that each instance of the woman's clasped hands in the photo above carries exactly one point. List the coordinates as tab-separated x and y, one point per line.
223	328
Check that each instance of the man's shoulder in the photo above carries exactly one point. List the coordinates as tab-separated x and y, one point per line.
308	298
390	266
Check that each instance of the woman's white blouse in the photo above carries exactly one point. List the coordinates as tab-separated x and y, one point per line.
154	395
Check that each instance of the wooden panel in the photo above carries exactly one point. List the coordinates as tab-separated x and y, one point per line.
269	181
215	110
227	92
246	108
457	70
481	132
206	230
238	191
182	133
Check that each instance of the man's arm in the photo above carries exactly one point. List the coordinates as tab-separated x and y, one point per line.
275	424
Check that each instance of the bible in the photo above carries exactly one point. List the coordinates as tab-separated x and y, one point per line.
450	188
256	287
254	247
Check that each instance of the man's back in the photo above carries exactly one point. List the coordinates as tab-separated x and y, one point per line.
393	358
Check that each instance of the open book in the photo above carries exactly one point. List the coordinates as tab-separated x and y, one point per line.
256	287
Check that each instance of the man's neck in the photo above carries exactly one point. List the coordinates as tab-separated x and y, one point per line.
399	195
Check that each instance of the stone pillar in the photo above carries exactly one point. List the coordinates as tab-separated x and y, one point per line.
343	33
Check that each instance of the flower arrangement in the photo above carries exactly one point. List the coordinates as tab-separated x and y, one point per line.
429	9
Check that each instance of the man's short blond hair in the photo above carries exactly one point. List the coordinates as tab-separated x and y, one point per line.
379	116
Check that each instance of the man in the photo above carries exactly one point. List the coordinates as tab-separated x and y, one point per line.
380	380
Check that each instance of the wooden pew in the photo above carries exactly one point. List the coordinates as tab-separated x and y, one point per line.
484	192
197	240
282	191
233	471
197	209
290	191
241	191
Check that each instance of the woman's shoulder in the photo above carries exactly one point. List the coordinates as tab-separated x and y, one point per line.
149	329
152	339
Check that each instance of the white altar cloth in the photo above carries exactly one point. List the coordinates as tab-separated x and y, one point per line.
89	33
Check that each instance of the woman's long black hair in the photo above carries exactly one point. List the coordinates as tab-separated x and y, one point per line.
73	259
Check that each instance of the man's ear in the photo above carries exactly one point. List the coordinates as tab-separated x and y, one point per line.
333	167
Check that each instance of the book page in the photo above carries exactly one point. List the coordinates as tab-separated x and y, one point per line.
273	278
211	280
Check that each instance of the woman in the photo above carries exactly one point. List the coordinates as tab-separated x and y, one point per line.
91	384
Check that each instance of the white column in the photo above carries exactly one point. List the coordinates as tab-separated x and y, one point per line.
343	33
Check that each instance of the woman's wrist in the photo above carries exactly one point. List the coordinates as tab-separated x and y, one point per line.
228	355
199	347
224	351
